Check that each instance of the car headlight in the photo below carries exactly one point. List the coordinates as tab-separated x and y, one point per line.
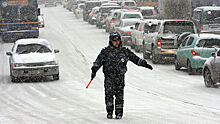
18	64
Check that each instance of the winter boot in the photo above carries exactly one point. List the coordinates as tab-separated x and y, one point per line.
109	116
119	116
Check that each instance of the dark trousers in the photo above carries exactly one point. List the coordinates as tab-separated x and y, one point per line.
114	86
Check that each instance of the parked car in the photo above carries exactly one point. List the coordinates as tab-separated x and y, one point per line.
211	69
109	22
144	35
195	50
32	57
129	4
148	12
88	8
124	29
102	15
41	20
207	19
134	29
79	10
125	14
93	15
164	46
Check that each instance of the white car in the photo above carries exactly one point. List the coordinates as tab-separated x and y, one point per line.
32	58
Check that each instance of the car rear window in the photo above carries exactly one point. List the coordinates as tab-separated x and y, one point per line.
151	29
147	12
91	5
128	23
208	43
32	48
129	4
126	16
178	27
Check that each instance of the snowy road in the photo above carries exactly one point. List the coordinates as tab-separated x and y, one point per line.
161	96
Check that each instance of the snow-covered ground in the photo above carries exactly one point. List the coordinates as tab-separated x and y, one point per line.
161	96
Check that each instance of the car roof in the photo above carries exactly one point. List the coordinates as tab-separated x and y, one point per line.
131	12
207	8
154	21
131	20
109	4
32	41
146	7
206	36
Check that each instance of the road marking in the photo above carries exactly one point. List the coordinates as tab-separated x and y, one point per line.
37	91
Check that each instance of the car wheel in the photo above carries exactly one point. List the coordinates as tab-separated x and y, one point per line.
190	70
136	49
56	77
13	79
146	55
208	78
154	58
177	67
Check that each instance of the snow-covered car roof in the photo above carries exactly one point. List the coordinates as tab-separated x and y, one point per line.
109	4
207	36
147	8
131	20
207	8
33	41
154	21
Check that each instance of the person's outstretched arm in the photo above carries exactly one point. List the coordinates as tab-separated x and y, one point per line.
138	61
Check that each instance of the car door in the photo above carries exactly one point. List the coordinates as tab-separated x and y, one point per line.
180	52
216	64
134	33
187	50
139	32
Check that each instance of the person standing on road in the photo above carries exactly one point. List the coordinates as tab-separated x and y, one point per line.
114	59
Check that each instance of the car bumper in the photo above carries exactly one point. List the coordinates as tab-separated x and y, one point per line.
35	71
198	62
21	34
166	53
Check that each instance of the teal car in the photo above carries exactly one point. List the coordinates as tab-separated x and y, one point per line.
194	50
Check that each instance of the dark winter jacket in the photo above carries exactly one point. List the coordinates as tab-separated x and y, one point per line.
114	60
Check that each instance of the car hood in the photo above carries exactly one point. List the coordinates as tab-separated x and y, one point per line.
33	57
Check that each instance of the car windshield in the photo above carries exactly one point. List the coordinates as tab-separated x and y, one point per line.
212	16
178	27
147	12
31	48
126	16
151	29
91	5
208	43
129	4
107	9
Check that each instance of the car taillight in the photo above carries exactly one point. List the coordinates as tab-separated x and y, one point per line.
112	21
194	52
149	4
85	12
155	11
92	13
101	18
124	33
201	28
159	42
15	65
129	32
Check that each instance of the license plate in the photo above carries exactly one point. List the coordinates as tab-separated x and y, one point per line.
214	26
19	33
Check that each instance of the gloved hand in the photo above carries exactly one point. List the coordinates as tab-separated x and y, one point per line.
93	75
146	65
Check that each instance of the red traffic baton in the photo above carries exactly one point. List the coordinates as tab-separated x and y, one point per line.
89	83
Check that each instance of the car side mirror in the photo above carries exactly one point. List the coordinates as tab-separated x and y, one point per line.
56	51
213	55
38	11
8	53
